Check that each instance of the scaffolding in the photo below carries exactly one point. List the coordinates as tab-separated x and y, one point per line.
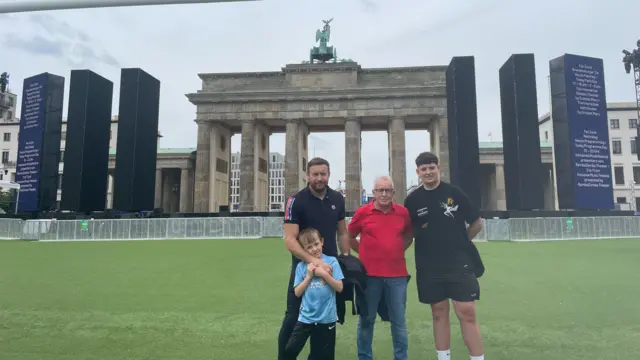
636	76
631	62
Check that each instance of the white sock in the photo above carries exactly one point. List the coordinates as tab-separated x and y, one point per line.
481	357
444	355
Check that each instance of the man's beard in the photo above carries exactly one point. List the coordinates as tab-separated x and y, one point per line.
319	186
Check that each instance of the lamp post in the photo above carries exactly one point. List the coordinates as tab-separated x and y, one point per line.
631	61
45	5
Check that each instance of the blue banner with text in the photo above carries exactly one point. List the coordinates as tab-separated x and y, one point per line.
30	142
589	132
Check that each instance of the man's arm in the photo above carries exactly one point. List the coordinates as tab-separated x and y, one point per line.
471	215
291	243
353	241
292	216
343	235
407	232
344	240
474	228
354	229
407	239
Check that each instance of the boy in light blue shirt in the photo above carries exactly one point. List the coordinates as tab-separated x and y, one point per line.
318	313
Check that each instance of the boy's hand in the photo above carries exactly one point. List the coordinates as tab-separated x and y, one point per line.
321	264
311	268
322	273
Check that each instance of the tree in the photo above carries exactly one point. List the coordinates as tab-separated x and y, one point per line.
7	200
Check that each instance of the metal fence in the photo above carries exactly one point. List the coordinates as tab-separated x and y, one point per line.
11	229
530	229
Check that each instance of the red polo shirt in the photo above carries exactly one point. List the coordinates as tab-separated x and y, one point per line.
381	248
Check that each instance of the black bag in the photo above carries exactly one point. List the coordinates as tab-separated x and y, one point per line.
478	265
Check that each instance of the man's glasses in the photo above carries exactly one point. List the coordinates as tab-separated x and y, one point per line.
382	191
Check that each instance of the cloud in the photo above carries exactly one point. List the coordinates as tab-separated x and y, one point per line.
62	41
86	55
37	45
58	28
369	6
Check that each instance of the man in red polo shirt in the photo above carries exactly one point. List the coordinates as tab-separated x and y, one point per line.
385	233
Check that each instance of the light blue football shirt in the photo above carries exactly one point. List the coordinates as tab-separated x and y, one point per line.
319	299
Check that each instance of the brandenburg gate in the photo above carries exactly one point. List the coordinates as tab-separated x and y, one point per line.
311	97
304	98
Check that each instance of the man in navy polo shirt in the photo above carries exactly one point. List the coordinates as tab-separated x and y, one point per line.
319	207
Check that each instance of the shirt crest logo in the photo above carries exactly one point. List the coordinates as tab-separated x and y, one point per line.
317	283
449	207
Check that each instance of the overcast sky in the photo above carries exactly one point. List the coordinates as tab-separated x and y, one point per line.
175	43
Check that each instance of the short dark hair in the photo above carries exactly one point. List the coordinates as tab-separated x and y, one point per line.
426	158
317	161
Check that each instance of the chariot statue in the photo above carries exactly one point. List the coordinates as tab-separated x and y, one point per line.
323	52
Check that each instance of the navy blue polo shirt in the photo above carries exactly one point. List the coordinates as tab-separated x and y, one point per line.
309	211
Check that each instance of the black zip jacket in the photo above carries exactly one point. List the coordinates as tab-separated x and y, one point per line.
354	284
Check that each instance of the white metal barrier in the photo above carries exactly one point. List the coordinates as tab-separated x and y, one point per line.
10	229
530	229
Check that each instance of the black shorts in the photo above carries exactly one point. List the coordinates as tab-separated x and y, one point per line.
436	288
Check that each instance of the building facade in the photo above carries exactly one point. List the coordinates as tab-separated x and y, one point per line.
276	181
9	129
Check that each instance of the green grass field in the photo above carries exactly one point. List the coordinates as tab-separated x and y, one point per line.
224	299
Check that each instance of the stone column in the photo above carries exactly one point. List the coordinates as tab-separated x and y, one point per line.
203	168
501	193
166	192
229	159
174	204
303	153
549	201
247	166
397	158
191	188
292	169
109	200
261	166
158	195
554	194
439	134
353	178
219	166
184	190
491	190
